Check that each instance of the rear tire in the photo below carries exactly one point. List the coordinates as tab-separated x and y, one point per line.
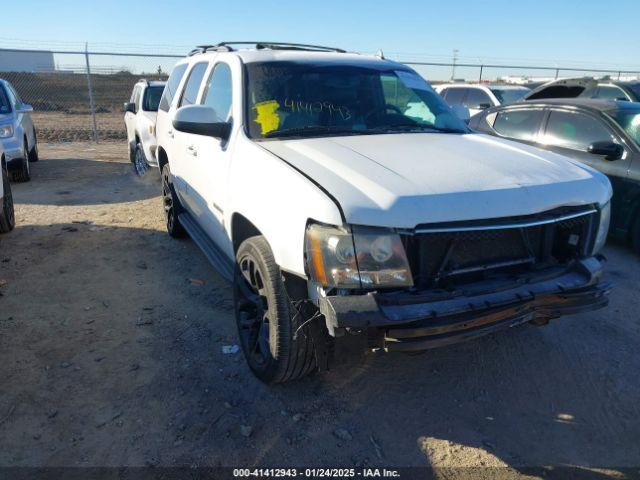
172	207
23	173
7	216
275	346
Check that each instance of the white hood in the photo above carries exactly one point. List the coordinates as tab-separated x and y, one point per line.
402	180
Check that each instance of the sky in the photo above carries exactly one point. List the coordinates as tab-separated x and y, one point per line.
584	33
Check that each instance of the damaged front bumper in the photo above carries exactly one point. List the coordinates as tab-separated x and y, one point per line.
414	321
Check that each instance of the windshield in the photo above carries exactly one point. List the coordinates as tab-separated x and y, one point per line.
629	120
509	95
287	99
152	97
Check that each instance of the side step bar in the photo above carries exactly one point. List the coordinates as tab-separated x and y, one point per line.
215	256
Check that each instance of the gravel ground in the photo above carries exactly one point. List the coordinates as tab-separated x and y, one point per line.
111	337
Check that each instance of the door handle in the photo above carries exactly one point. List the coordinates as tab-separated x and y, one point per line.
170	133
192	150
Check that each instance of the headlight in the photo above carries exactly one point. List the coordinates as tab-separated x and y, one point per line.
603	228
6	131
364	258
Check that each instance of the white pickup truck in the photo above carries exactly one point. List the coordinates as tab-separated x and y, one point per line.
140	120
353	211
7	217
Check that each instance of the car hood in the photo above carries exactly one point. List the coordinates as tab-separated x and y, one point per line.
402	180
561	88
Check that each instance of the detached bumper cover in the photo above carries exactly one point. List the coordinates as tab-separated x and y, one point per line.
418	321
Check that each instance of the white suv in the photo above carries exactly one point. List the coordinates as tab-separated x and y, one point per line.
479	97
354	212
7	217
140	119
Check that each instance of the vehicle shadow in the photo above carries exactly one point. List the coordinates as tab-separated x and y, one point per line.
87	182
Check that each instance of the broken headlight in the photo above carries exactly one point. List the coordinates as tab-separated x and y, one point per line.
603	228
359	257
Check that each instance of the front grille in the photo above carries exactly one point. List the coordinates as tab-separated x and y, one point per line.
444	256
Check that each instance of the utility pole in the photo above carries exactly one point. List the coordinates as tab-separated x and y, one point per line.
453	64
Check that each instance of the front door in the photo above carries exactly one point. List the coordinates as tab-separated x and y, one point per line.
209	190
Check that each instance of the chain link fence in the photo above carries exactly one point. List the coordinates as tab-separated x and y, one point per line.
78	95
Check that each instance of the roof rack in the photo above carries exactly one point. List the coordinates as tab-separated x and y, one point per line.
226	47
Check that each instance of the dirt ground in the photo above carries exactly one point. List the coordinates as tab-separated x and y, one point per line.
111	337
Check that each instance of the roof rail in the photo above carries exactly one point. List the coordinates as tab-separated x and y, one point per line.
226	47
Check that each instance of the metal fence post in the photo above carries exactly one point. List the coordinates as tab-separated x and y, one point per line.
91	101
480	77
557	72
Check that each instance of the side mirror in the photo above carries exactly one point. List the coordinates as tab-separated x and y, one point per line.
201	120
484	106
609	150
129	107
461	112
25	108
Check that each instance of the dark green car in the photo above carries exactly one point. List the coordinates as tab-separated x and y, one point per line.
604	134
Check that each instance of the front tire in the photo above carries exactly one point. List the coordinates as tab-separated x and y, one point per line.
7	216
140	165
273	341
23	173
172	207
34	156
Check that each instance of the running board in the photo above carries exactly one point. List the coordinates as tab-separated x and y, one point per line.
211	250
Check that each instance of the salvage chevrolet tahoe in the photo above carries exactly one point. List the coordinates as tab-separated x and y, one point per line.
353	211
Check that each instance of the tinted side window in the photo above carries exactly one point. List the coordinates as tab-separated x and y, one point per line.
13	100
455	96
218	93
518	124
172	86
610	92
192	87
477	98
574	130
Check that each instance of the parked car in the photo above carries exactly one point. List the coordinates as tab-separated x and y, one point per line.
587	87
353	211
7	217
604	134
479	97
17	133
140	121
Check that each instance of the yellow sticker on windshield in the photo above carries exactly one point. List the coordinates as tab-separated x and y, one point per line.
267	115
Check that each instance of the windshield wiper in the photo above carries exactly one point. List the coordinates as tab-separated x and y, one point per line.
311	130
416	128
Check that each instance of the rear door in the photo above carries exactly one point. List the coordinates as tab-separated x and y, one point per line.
166	109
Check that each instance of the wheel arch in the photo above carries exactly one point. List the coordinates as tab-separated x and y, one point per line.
163	159
241	229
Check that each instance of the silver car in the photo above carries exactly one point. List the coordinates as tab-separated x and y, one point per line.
17	133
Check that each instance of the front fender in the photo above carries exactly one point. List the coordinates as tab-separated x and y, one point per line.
278	200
